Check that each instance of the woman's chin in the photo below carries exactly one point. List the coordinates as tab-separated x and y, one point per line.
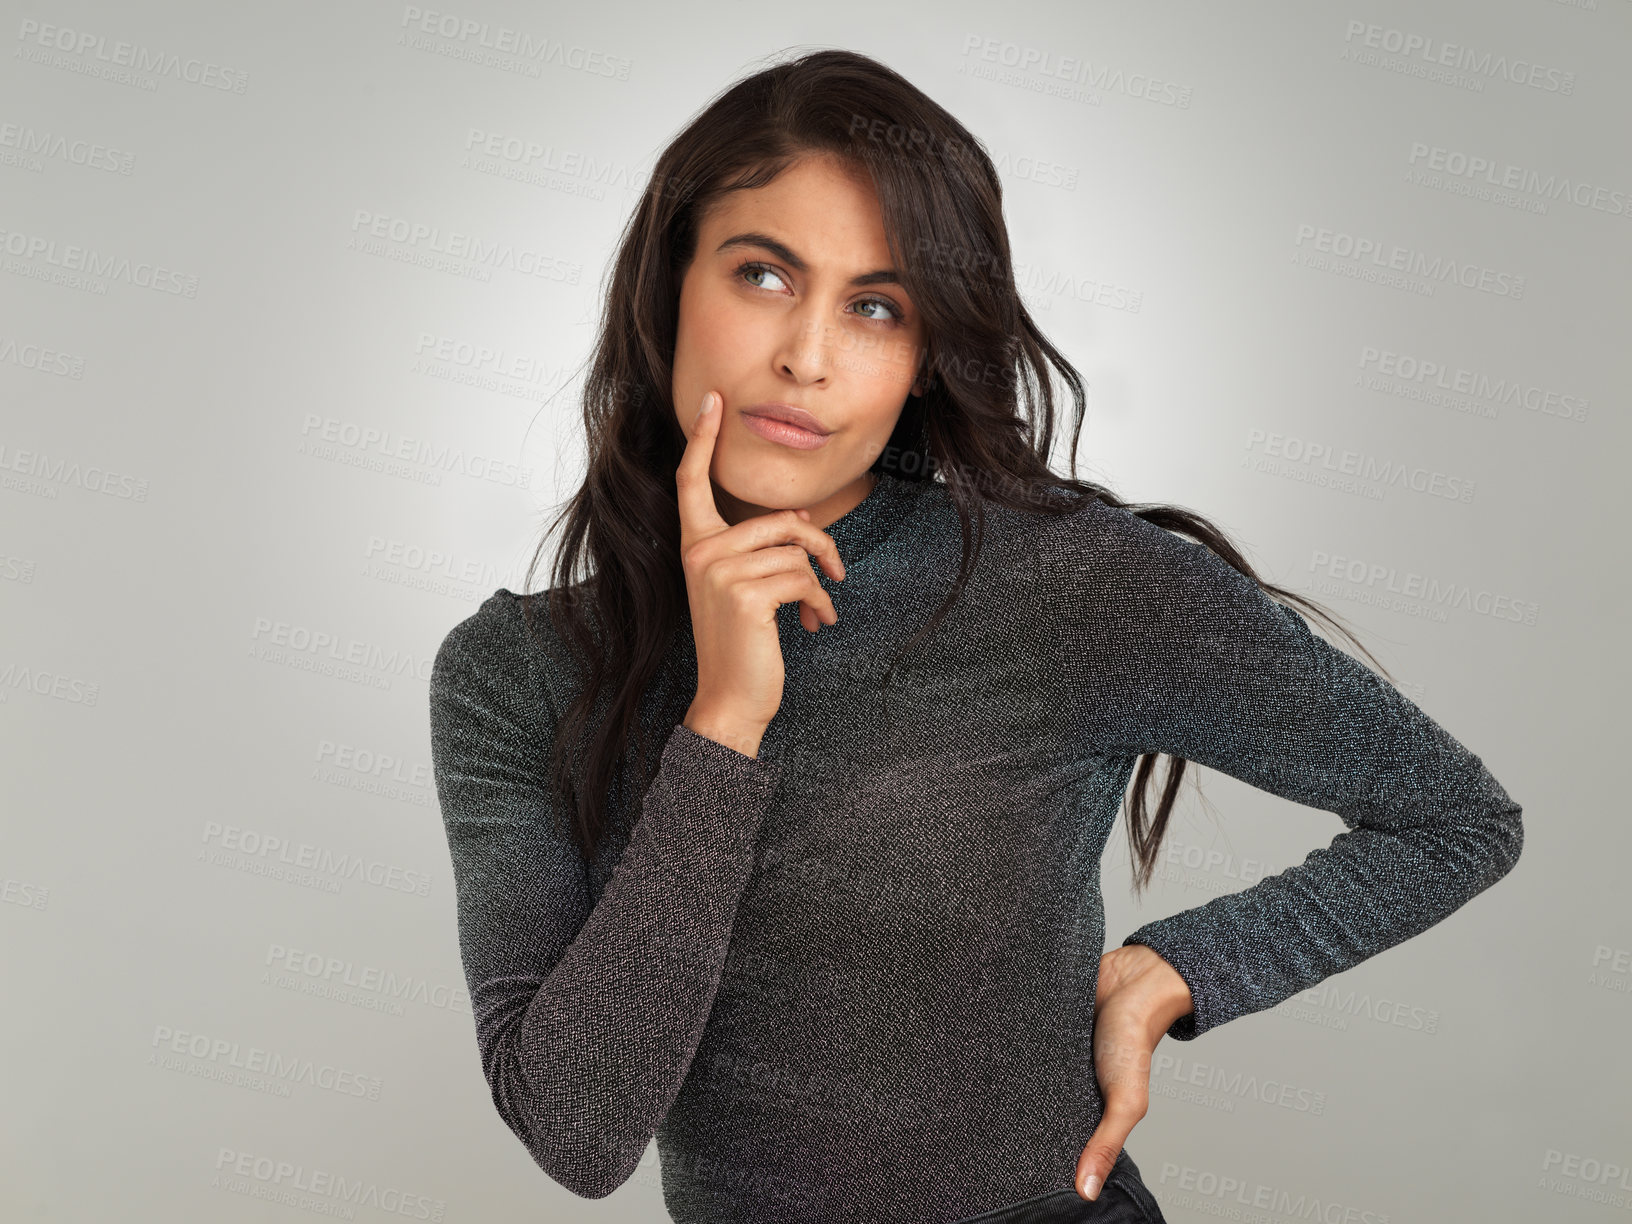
772	484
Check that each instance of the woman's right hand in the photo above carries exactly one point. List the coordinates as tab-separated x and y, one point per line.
736	578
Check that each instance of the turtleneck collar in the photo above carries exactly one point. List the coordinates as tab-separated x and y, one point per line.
874	519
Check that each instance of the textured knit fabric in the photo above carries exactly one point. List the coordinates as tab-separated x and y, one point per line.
852	978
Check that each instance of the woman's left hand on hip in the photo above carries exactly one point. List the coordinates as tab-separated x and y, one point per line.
1138	997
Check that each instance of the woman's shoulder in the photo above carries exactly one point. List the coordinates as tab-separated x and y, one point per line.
1080	528
490	632
1107	562
1118	537
508	637
1069	525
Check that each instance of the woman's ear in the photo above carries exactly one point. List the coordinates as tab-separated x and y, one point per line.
921	383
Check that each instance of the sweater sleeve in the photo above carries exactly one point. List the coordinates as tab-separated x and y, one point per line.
1227	677
587	1016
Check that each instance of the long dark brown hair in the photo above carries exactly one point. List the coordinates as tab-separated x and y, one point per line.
989	435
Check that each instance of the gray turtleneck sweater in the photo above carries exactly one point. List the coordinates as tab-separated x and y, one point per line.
852	978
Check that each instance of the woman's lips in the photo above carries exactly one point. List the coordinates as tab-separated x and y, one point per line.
783	433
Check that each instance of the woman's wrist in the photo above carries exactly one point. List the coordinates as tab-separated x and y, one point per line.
1172	992
716	725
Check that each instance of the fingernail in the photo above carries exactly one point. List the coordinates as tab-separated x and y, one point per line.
1091	1186
708	402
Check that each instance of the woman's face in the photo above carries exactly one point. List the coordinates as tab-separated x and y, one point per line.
789	300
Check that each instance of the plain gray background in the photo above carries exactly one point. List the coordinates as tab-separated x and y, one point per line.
269	430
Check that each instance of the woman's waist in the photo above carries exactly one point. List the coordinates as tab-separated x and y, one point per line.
746	1158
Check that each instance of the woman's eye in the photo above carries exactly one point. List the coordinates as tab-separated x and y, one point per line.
750	269
885	305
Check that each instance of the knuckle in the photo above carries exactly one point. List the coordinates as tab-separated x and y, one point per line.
1128	1108
1101	1157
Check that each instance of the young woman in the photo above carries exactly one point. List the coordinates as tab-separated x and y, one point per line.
776	832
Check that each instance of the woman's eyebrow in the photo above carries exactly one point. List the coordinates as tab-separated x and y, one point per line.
884	276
